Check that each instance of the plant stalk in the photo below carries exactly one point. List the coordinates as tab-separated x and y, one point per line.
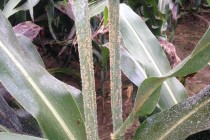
86	67
122	129
115	71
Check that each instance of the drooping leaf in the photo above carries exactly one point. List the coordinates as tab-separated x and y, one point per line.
97	7
146	50
54	104
10	9
28	29
131	25
13	136
182	120
194	62
132	68
30	7
30	49
149	87
26	6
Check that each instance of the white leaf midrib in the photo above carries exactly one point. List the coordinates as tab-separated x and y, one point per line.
38	91
181	121
151	58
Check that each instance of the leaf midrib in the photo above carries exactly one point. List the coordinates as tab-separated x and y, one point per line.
38	91
179	122
152	60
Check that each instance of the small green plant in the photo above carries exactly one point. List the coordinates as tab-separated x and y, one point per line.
64	112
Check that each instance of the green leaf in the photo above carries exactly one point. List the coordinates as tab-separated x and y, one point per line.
194	62
67	71
54	104
131	68
105	57
13	136
122	129
135	43
27	28
65	2
26	5
30	49
10	9
146	50
182	120
97	7
30	6
208	1
105	14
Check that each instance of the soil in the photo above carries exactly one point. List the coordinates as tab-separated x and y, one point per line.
188	33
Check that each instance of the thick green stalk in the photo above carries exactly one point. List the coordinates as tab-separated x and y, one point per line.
115	72
86	67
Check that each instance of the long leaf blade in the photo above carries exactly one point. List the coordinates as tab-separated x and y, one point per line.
50	101
97	7
30	49
170	87
8	9
30	7
180	121
194	62
145	48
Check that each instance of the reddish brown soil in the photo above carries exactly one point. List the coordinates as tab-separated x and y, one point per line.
188	33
